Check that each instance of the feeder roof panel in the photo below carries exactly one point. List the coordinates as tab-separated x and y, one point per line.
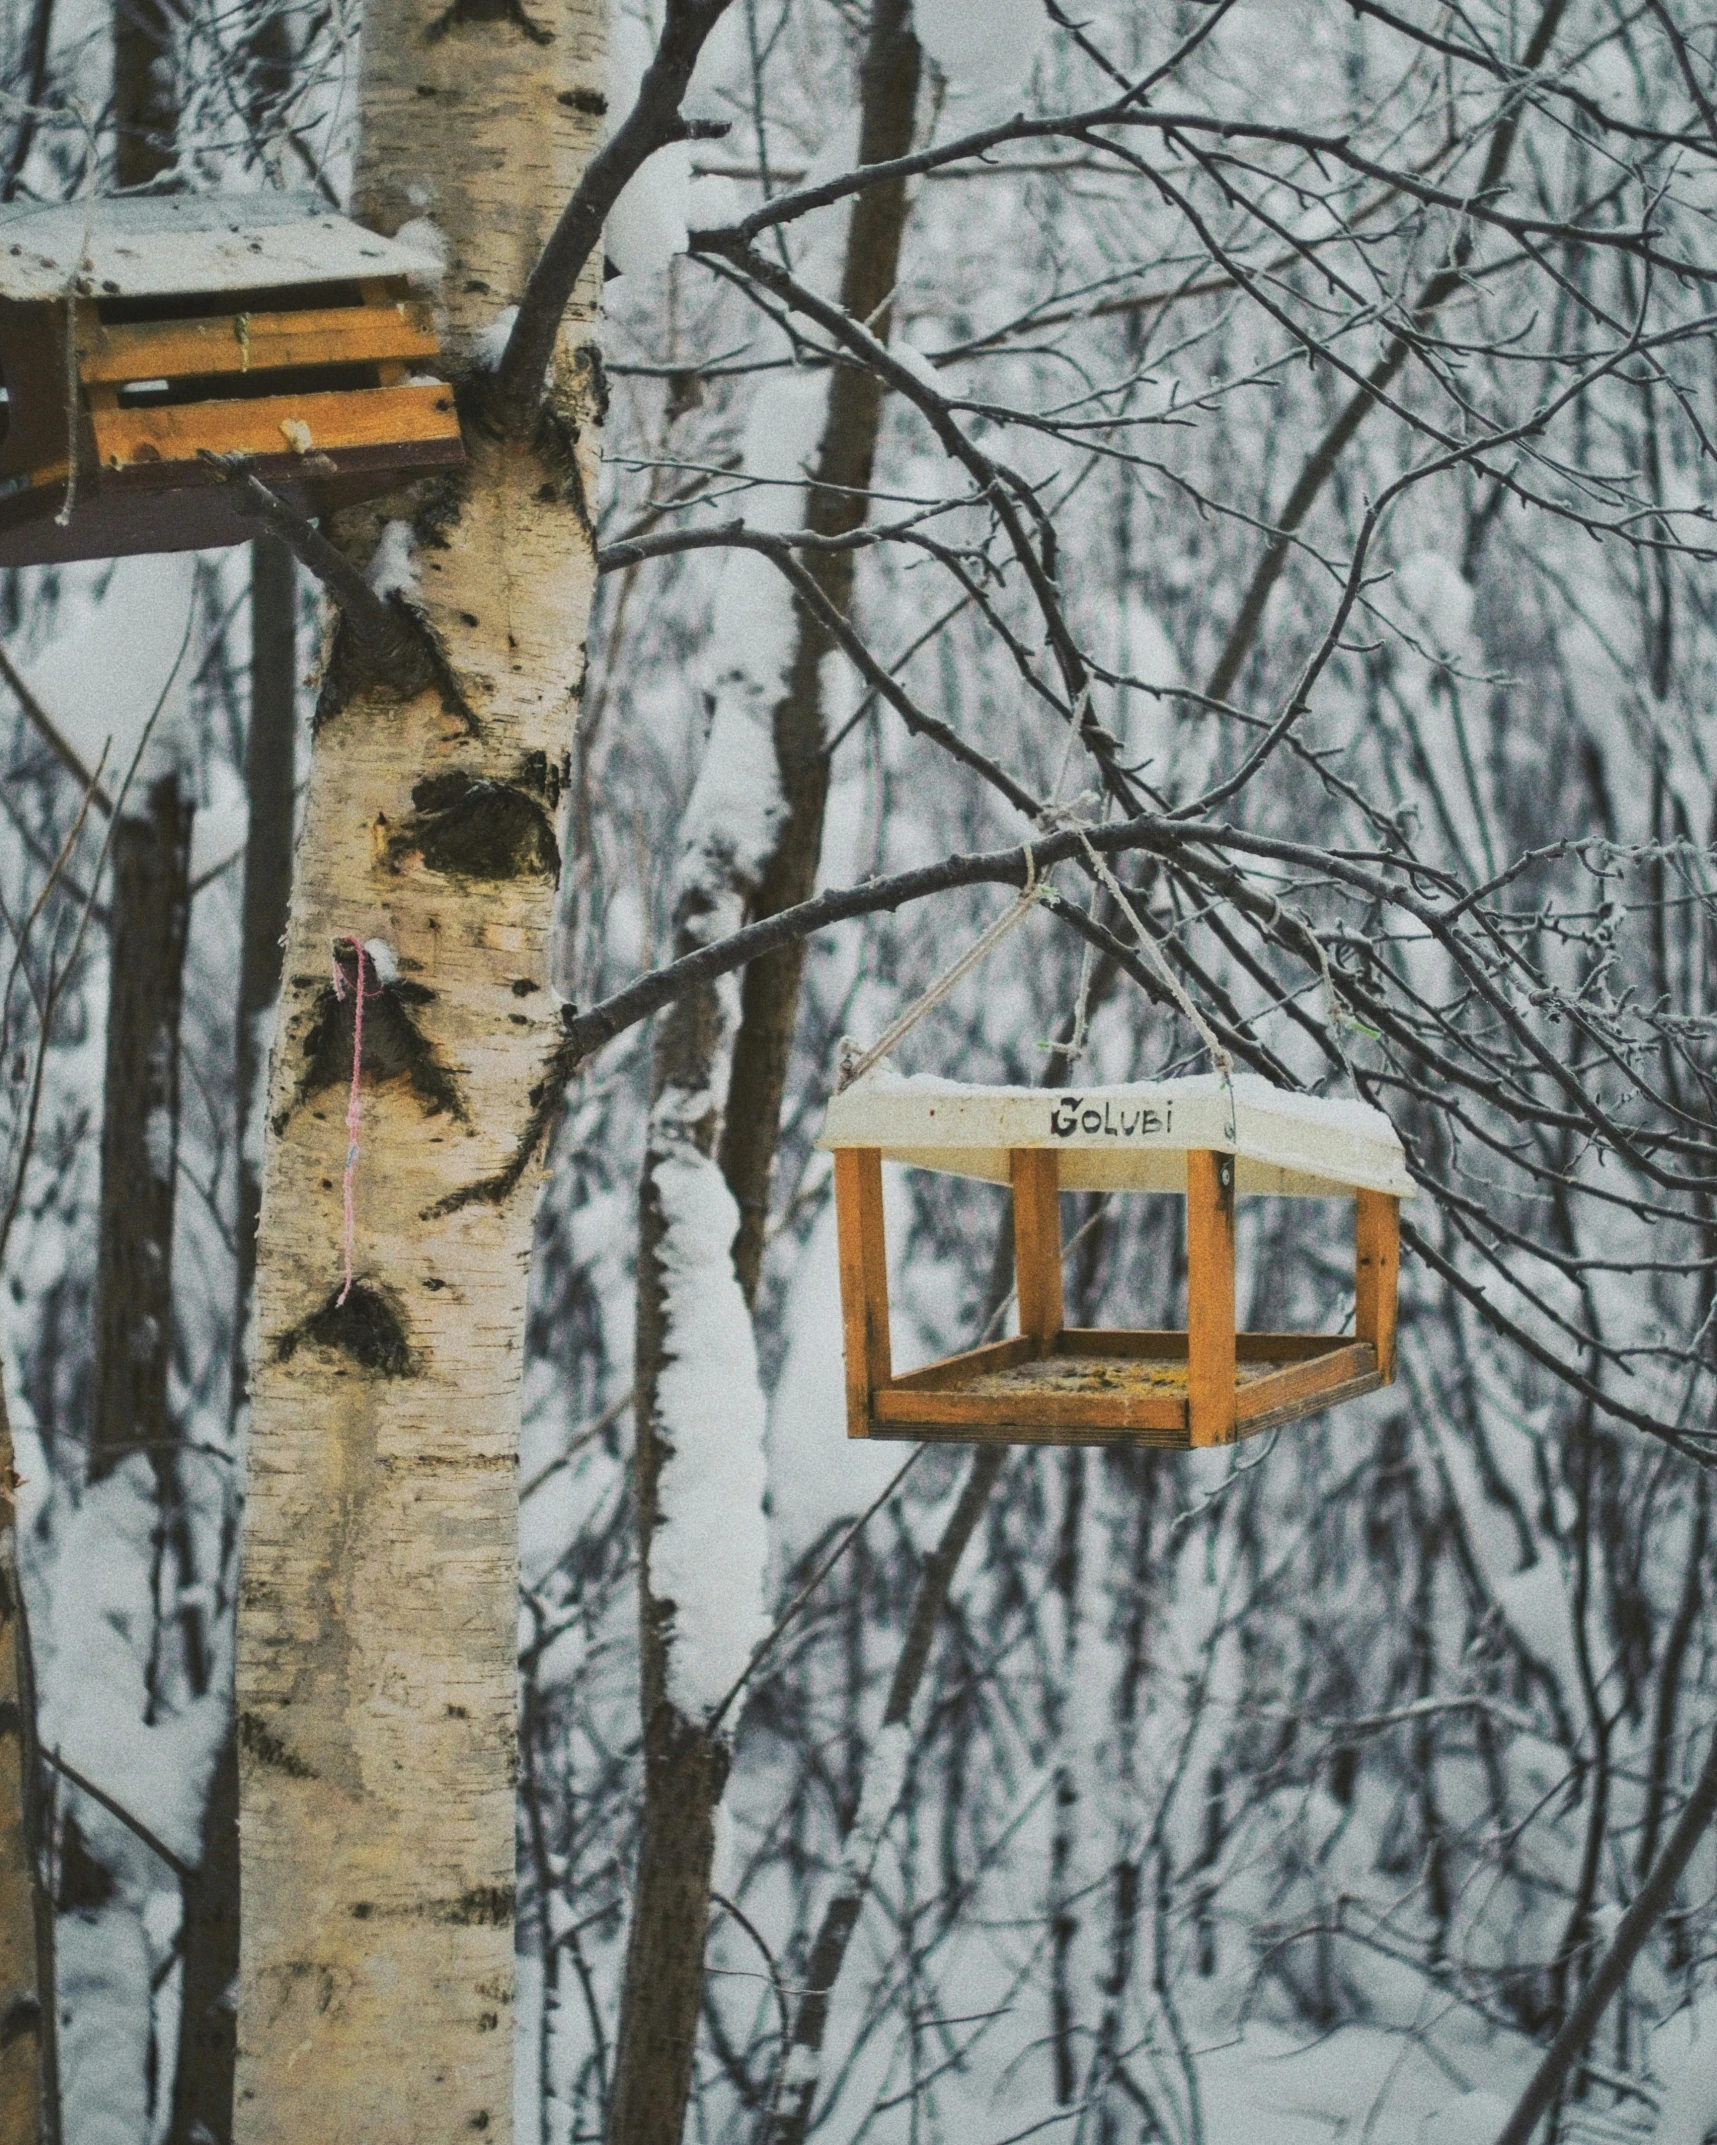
1132	1138
175	245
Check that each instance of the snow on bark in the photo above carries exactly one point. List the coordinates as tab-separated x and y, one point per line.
818	1473
97	1710
647	225
393	567
736	805
884	1779
710	1554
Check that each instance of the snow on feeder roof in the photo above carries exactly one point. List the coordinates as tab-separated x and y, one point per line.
1133	1138
172	245
263	326
1207	1139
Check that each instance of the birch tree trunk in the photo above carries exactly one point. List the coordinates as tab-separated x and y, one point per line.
714	1042
376	1677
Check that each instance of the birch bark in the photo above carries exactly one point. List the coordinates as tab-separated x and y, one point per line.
376	1678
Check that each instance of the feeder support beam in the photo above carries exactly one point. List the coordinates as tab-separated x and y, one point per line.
1211	1361
864	1280
1037	1244
1376	1273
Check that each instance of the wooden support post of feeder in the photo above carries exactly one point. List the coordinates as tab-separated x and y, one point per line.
1037	1245
864	1280
1211	1365
1376	1273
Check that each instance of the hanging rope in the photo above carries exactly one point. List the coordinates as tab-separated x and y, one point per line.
354	1101
1053	816
1154	954
852	1068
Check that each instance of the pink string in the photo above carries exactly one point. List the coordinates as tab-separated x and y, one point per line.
354	1104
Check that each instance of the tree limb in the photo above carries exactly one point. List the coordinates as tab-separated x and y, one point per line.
653	122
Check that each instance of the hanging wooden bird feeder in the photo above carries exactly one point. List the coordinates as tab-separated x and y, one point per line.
1055	1384
139	336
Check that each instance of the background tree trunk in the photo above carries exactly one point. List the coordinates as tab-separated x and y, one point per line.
151	907
203	2078
27	2083
837	504
685	1763
378	1611
145	113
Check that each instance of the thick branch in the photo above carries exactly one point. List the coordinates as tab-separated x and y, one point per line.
653	122
386	639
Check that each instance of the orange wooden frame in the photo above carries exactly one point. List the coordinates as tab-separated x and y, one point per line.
1179	1390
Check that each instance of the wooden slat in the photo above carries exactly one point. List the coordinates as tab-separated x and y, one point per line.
1211	1353
955	1370
1287	1347
1119	1341
1304	1382
253	342
1037	1243
1377	1274
367	417
1171	1438
864	1280
1054	1410
1248	1347
1294	1411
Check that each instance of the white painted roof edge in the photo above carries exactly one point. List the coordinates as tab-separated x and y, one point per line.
1339	1143
161	245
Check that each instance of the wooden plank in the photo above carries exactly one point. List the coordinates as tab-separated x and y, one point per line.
33	359
1377	1274
1171	1439
1171	1347
1053	1410
1287	1347
1037	1243
1311	1404
1211	1354
253	342
1305	1381
955	1370
864	1280
366	417
1120	1341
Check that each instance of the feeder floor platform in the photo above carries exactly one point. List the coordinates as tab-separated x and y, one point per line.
1099	1387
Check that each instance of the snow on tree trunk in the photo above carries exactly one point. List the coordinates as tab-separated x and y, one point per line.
699	1407
376	1680
752	836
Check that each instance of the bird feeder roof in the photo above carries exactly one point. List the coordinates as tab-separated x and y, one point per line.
1133	1138
172	245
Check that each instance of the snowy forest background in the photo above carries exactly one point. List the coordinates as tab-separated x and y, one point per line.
1299	1788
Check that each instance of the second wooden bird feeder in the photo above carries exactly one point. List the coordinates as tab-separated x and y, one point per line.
139	336
1205	1140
